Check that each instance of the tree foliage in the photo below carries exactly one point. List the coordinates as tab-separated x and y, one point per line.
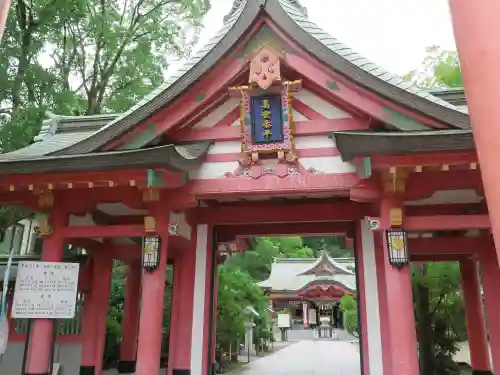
85	57
440	69
349	307
439	314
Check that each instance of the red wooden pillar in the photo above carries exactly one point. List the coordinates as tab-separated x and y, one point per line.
89	331
103	269
400	317
176	319
182	313
152	302
490	271
476	329
202	310
130	325
380	262
40	346
474	24
215	302
4	11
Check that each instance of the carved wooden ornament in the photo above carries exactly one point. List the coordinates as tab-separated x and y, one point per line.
265	68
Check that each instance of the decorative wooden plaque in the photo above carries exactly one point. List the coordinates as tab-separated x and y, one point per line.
265	111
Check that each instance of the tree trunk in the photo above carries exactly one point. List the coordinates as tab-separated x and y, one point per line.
424	323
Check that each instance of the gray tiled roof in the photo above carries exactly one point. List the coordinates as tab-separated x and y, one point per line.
73	134
286	275
59	132
301	19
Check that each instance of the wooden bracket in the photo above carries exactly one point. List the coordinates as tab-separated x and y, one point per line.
395	180
150	195
46	199
44	227
396	217
150	224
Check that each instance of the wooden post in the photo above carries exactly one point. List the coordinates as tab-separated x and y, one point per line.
40	345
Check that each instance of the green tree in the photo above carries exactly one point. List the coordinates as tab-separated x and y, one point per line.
439	315
439	69
237	291
349	308
438	306
116	306
84	57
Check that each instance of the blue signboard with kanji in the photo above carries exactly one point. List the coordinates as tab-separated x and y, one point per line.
267	119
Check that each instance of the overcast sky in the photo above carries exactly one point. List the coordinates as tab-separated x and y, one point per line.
391	33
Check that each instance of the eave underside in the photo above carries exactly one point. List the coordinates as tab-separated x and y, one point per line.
175	158
352	144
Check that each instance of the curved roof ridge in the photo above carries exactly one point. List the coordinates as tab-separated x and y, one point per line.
355	58
292	18
325	257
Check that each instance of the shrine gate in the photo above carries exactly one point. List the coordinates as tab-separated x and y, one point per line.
274	127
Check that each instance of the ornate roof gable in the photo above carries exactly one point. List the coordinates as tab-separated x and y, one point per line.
325	266
291	17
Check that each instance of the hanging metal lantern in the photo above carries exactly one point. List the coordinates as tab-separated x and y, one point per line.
397	246
151	252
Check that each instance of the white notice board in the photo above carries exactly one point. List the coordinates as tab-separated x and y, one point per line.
312	316
45	290
284	320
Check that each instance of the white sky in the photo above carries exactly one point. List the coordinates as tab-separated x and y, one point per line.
392	33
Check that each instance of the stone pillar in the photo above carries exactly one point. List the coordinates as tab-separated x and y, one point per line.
400	317
41	341
152	302
476	329
490	271
474	24
202	302
130	324
305	315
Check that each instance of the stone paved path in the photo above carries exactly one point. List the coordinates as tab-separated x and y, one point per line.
307	358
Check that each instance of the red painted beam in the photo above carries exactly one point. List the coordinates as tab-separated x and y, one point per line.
269	185
446	209
76	178
129	252
229	119
441	222
104	231
342	93
282	213
448	245
307	111
424	184
424	158
447	222
437	257
339	228
308	127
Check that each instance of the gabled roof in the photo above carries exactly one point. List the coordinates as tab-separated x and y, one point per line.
292	275
325	266
291	17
